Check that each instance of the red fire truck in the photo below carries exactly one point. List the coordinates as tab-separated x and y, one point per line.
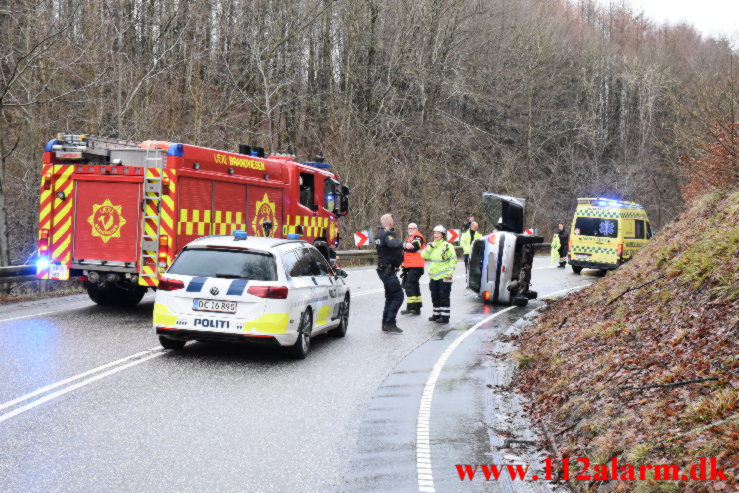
115	212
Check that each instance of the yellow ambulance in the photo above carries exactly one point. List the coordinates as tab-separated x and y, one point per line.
606	233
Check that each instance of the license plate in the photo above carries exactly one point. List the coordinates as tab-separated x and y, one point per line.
582	257
60	272
214	306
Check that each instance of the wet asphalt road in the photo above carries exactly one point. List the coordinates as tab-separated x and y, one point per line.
228	418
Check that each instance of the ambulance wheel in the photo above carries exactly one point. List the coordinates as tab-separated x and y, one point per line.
340	331
300	349
168	343
520	301
576	269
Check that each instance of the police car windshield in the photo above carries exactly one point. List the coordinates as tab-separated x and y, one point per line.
232	264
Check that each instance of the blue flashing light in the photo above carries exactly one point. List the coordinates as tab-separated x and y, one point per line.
613	203
42	264
329	197
293	236
239	234
50	145
254	154
319	165
176	150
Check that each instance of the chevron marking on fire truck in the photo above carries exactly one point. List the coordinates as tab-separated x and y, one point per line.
44	211
167	221
61	238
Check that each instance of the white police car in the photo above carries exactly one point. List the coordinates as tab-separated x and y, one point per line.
234	288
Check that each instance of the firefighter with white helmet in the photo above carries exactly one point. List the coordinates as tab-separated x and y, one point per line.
442	260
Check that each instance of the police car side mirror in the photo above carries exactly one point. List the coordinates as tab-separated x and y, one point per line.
341	273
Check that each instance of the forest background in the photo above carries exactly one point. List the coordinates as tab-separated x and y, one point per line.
419	105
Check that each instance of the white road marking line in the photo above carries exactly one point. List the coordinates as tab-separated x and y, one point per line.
423	445
545	268
550	295
423	428
29	316
59	393
71	379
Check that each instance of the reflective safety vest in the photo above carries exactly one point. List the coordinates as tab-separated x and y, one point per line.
441	259
412	258
468	237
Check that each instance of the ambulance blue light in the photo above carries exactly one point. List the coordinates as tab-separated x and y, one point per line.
42	263
293	236
613	203
175	150
239	234
50	145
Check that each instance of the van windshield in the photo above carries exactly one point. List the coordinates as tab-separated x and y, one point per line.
235	264
596	226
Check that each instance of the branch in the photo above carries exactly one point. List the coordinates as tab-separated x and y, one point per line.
634	289
703	428
674	384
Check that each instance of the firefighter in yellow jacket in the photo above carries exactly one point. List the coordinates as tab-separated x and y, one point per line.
442	260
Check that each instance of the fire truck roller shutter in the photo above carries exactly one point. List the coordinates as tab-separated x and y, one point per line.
264	205
107	220
195	208
229	207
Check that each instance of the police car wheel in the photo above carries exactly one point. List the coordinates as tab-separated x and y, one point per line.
340	331
168	343
576	269
300	349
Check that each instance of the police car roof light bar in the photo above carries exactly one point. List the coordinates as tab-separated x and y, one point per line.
239	234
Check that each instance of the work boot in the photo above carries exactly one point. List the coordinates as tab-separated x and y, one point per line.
393	328
410	312
433	318
442	320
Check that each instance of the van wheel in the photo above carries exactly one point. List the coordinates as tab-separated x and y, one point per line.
576	269
340	331
300	349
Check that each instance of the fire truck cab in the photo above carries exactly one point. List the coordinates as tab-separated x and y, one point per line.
115	213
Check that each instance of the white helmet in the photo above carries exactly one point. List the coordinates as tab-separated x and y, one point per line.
439	229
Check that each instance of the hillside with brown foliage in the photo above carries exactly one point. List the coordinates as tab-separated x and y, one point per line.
643	364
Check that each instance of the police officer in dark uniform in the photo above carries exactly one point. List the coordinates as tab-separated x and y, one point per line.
389	257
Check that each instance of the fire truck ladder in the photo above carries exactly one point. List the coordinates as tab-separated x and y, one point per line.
152	202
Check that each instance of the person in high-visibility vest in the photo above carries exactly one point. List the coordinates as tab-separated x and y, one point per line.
412	270
468	237
442	260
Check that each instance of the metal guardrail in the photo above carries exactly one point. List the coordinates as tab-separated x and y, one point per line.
23	273
17	273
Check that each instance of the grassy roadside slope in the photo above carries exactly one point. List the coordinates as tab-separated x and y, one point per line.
643	365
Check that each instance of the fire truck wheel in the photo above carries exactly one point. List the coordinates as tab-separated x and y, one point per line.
299	350
99	296
340	331
132	298
168	343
